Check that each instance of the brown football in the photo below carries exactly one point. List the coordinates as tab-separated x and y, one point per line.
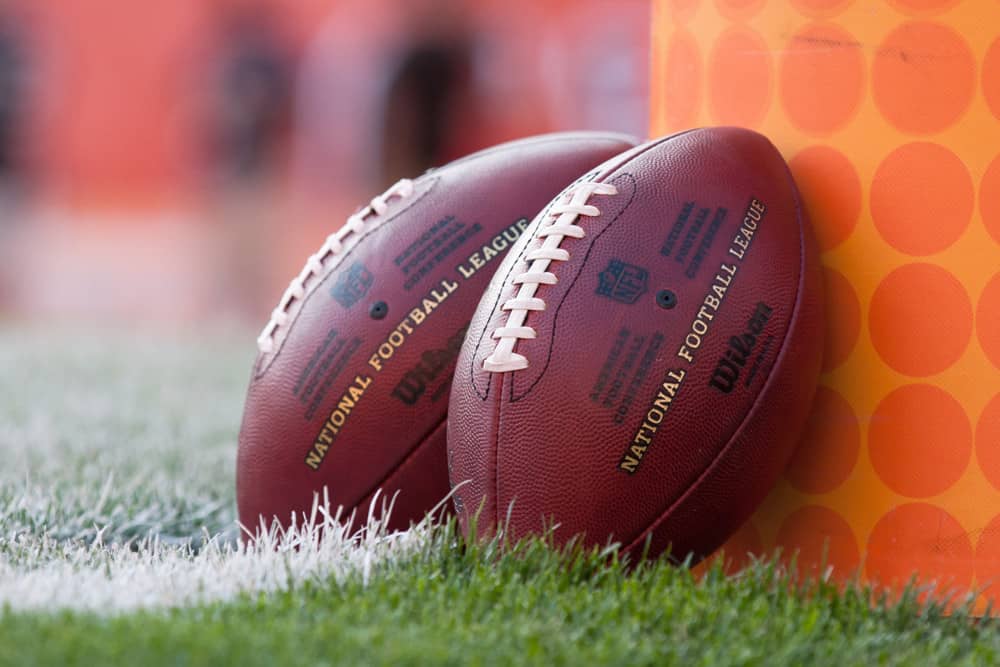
349	391
642	363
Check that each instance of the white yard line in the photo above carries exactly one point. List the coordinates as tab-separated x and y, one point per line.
48	576
108	436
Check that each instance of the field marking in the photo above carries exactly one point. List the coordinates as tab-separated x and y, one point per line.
47	575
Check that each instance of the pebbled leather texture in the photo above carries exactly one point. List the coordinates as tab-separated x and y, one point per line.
595	435
390	432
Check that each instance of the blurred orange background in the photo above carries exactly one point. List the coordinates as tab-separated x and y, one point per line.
173	161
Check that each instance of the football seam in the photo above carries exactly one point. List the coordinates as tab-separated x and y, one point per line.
404	463
472	364
783	351
341	259
496	452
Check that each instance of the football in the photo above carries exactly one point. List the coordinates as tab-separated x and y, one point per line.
349	390
642	363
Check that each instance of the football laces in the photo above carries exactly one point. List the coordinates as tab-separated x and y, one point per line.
560	222
334	245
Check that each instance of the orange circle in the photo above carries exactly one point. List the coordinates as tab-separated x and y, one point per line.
922	6
988	320
988	441
989	197
924	540
920	319
919	440
923	77
682	85
821	79
831	190
843	319
922	198
988	556
738	10
818	536
821	9
828	450
991	77
739	78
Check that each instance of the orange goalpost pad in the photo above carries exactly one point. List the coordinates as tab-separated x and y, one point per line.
889	115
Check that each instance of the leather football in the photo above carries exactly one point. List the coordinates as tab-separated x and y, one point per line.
349	391
643	361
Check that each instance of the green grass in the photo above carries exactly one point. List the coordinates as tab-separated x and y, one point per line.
134	434
107	440
446	605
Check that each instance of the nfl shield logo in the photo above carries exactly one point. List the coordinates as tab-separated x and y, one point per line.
622	282
352	284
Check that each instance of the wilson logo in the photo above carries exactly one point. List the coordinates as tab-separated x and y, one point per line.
432	363
739	350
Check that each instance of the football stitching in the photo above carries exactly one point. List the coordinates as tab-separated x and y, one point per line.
496	455
338	260
561	222
527	235
555	319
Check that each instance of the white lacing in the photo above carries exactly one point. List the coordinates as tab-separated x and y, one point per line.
333	245
560	224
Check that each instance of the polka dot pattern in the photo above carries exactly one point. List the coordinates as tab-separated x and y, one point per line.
885	113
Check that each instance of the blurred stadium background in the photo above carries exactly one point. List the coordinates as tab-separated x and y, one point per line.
172	162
